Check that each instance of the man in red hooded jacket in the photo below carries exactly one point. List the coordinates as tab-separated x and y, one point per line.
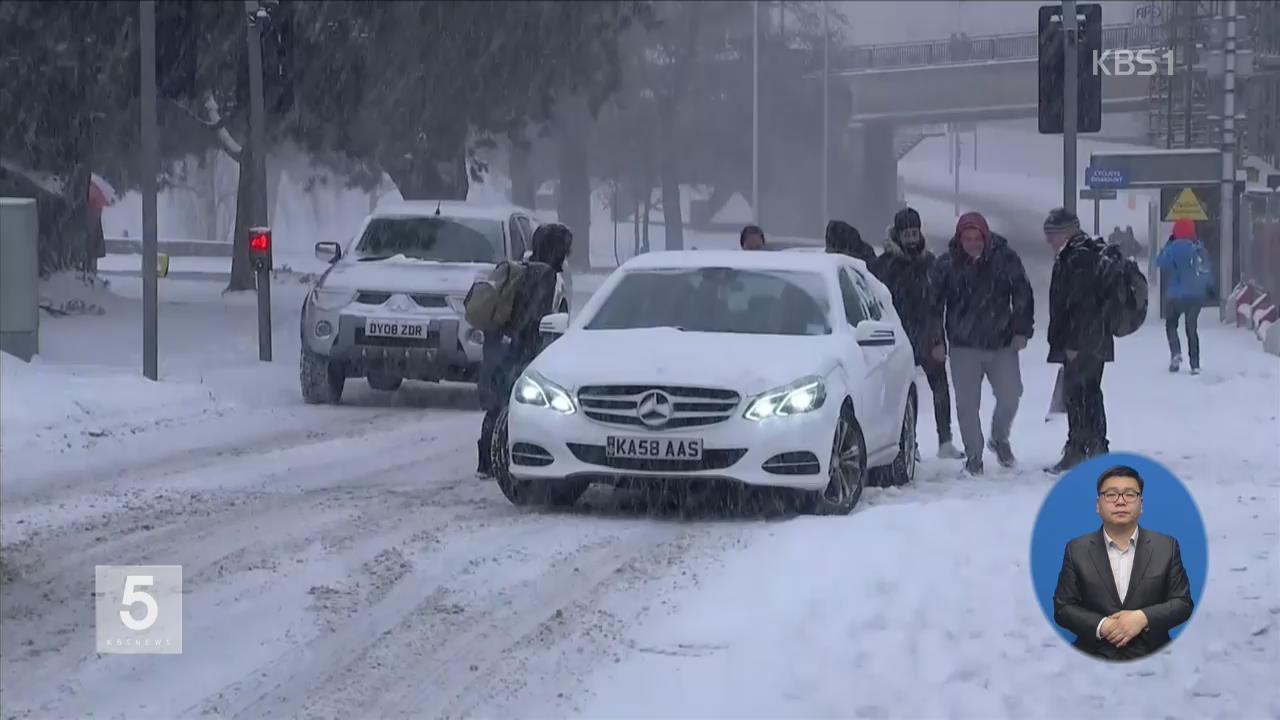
985	303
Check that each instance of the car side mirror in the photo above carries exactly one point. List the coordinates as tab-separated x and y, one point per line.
554	324
875	333
329	252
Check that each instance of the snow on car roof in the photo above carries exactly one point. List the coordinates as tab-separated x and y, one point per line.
743	259
449	208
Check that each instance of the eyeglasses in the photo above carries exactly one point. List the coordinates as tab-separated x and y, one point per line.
1129	496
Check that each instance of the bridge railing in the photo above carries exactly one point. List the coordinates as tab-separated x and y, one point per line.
992	47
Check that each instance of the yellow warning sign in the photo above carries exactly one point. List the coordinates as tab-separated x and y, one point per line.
1186	206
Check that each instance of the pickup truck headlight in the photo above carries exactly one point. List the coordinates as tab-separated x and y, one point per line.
332	298
533	389
804	395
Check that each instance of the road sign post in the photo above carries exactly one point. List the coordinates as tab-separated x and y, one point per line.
1097	195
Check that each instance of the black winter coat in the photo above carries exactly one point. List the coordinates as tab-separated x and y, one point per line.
907	277
982	303
507	354
845	239
1076	302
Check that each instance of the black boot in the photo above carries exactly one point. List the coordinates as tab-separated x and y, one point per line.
1071	457
1003	451
484	465
973	465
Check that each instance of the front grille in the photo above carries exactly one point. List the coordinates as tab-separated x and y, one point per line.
431	340
691	406
369	297
530	454
429	301
792	463
711	460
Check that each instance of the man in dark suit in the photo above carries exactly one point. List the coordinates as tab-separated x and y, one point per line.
1121	589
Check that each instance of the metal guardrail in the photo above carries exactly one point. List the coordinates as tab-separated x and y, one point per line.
173	246
981	49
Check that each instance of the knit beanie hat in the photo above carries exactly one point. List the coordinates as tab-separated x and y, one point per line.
1061	219
1184	229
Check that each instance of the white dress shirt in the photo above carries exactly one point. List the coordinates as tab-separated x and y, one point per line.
1121	567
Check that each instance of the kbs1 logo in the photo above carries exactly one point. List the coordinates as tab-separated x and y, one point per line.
1131	62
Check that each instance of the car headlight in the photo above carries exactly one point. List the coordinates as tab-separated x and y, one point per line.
533	389
332	298
804	395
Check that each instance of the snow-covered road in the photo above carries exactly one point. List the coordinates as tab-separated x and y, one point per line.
343	562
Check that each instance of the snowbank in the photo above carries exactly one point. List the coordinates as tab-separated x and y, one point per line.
62	404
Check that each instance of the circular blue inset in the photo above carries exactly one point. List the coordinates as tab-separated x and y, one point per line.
1070	510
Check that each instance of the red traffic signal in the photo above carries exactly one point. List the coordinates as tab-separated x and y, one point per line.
260	240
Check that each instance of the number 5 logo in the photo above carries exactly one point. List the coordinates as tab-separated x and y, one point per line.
133	596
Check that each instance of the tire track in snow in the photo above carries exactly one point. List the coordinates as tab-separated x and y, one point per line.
270	689
487	614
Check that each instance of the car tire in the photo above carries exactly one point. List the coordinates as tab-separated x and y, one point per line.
846	471
384	382
554	493
322	379
903	468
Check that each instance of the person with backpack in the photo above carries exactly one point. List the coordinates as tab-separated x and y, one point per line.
508	308
1185	263
984	302
1095	295
904	268
843	238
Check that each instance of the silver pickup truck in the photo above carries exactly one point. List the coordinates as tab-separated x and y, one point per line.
389	307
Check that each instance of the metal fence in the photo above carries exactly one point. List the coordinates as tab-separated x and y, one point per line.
980	49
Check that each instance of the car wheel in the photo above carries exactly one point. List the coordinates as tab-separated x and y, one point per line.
903	468
556	493
846	472
385	382
322	379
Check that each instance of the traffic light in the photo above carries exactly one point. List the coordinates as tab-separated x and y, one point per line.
1089	86
260	248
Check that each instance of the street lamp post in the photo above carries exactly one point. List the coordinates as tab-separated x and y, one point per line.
150	168
755	112
826	110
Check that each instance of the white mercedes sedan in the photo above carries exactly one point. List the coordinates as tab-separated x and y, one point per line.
781	370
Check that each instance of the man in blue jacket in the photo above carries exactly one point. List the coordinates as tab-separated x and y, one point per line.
1190	282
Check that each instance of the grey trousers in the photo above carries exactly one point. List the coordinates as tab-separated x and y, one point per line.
1002	369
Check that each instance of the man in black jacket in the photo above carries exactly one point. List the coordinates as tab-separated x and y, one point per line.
509	351
1078	336
984	299
1121	588
904	268
845	239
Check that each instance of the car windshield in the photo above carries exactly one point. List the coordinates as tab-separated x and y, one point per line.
443	239
720	300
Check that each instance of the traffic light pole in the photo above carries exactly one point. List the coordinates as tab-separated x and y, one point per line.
1070	101
256	16
1226	213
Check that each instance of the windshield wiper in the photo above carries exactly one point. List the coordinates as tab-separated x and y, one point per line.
374	258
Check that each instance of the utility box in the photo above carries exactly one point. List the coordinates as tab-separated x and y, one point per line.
19	277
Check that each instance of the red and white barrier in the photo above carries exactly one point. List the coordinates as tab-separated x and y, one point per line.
1253	308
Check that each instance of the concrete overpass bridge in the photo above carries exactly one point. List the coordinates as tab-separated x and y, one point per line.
894	89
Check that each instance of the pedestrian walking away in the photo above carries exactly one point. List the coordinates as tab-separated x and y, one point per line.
509	349
845	239
1189	283
904	267
986	307
1078	336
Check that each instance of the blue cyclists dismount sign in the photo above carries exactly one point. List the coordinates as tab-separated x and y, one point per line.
1105	178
